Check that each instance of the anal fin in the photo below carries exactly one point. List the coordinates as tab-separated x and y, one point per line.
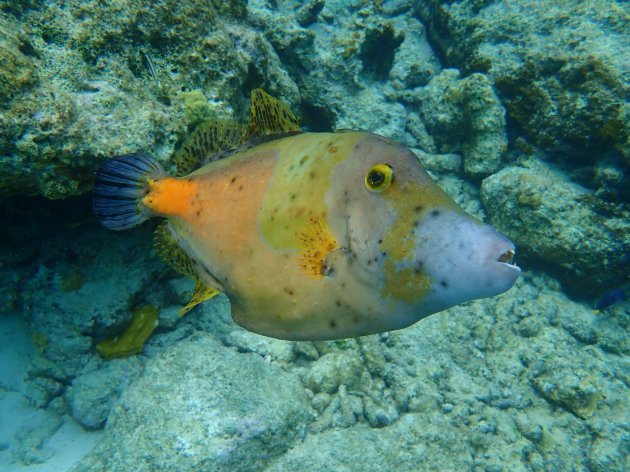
173	255
201	294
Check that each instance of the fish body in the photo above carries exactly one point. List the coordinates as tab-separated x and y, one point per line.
318	236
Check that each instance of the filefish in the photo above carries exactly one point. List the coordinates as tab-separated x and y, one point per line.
312	236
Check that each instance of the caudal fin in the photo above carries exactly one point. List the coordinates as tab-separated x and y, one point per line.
120	185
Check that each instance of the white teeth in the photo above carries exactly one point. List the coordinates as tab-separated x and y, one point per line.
507	257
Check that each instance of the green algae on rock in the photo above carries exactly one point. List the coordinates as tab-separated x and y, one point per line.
131	341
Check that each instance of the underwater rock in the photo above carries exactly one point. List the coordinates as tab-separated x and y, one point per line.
64	325
378	49
18	71
462	115
201	406
91	395
401	447
560	69
30	446
575	390
307	13
332	370
561	226
328	65
87	82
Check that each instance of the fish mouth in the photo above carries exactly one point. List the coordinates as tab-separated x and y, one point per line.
506	259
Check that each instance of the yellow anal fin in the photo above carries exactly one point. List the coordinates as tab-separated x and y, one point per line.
173	255
268	115
201	294
316	242
207	143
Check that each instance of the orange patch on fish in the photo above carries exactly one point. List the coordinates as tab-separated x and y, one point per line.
170	196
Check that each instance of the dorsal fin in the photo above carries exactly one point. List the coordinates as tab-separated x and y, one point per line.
207	142
268	115
173	255
269	119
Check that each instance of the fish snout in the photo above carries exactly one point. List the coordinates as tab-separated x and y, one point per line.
466	259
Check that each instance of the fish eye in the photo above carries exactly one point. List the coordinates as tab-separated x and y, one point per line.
379	177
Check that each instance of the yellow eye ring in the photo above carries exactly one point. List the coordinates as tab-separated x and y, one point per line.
379	177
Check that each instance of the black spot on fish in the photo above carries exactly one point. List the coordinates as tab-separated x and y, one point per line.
232	180
289	291
332	324
435	213
338	303
415	224
444	283
292	196
380	241
418	208
312	174
384	254
240	188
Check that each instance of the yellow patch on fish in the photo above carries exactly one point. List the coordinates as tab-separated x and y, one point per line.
317	243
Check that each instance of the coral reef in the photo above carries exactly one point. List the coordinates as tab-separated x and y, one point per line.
560	68
533	102
89	81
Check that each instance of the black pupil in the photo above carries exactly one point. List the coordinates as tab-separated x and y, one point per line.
375	178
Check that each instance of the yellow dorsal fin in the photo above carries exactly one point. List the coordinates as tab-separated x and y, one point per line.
207	142
210	141
173	255
269	116
201	294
